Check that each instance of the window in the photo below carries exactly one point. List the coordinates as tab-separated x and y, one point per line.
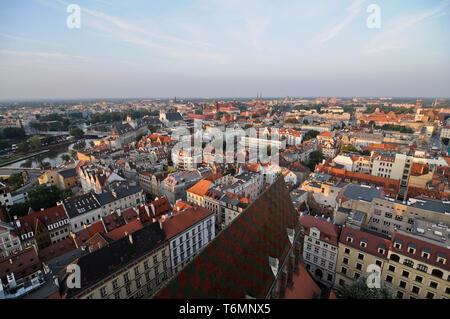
415	289
357	275
345	260
344	270
128	289
433	284
389	278
125	278
411	250
341	282
115	285
425	254
146	265
361	256
408	263
117	295
430	295
103	291
402	284
422	267
419	279
405	274
399	294
330	277
378	263
136	270
347	251
358	266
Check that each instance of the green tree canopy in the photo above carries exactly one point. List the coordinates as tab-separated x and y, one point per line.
360	290
77	132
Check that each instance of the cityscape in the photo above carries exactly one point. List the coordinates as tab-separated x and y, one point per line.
195	175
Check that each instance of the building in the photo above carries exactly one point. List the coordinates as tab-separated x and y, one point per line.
63	179
5	196
43	228
9	241
196	193
131	267
188	231
357	250
82	210
320	248
151	182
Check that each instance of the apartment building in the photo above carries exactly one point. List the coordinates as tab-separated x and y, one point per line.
9	241
358	250
151	182
43	228
320	248
196	193
414	264
134	266
5	196
418	268
188	230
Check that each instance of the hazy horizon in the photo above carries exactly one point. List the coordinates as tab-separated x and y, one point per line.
223	49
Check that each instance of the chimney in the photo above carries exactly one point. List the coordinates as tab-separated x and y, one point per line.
17	222
160	224
130	238
147	210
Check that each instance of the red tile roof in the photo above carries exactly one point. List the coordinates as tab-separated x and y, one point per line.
22	264
419	246
57	249
328	231
373	241
47	217
304	286
182	220
126	229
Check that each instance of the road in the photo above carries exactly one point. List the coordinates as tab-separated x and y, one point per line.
33	174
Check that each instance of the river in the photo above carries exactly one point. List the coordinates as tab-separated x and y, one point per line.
53	157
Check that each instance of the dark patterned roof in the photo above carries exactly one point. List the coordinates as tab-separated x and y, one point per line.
236	262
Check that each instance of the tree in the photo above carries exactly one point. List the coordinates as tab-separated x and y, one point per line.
152	128
13	132
360	290
310	135
73	153
23	147
291	120
19	209
15	180
80	145
66	157
77	133
445	140
35	142
44	196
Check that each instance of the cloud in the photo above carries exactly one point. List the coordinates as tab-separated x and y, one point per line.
52	55
353	10
392	39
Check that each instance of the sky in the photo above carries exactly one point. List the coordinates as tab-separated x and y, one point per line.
227	48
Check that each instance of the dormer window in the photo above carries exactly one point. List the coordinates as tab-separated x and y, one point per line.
411	248
398	244
381	250
441	258
273	262
363	242
291	235
425	254
350	238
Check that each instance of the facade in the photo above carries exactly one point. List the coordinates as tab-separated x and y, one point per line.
9	241
43	228
134	266
320	248
188	231
151	182
5	196
63	179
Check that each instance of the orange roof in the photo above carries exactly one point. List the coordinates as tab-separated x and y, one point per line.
304	286
182	220
200	188
181	205
125	229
